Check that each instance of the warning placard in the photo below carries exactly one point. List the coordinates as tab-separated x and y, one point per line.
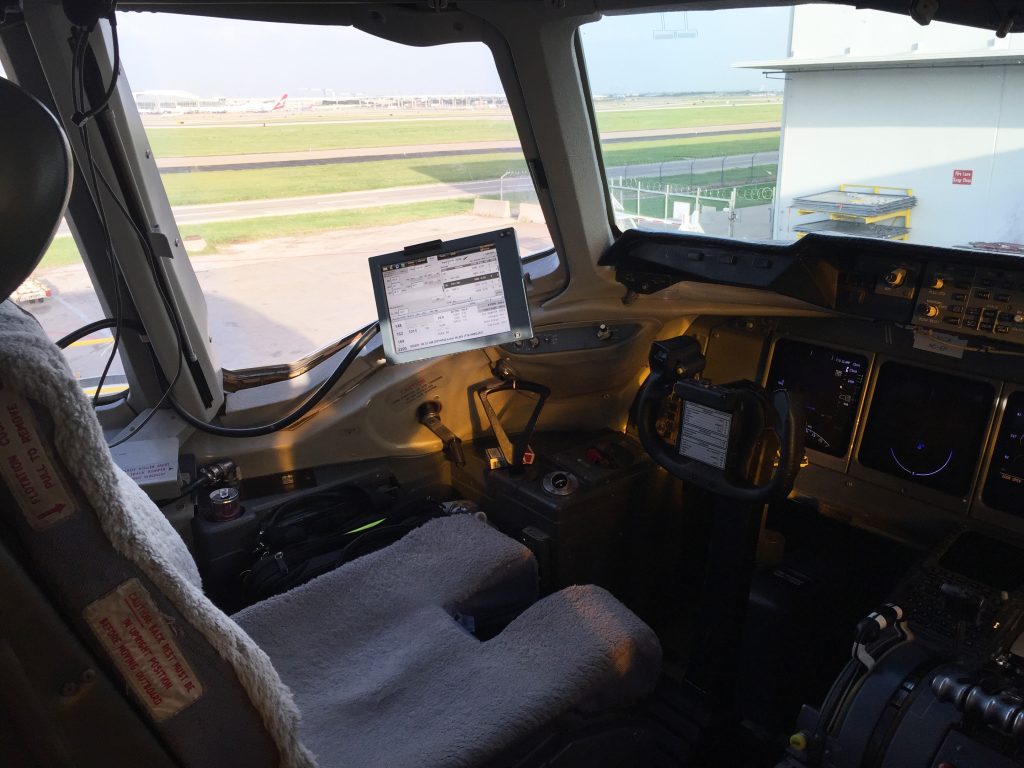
704	435
26	465
142	647
963	176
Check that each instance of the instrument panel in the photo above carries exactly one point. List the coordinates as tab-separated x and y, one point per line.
971	292
939	428
976	300
929	431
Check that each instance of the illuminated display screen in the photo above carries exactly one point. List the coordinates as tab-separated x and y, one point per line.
1004	486
449	297
831	383
441	298
926	427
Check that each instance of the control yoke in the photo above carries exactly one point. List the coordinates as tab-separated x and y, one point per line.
721	428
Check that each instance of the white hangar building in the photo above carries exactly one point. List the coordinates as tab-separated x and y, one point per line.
877	100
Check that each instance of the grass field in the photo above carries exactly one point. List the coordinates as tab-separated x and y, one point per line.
203	141
270	183
687	117
221	233
63	251
630	152
198	142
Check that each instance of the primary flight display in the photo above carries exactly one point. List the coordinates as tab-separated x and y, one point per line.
831	382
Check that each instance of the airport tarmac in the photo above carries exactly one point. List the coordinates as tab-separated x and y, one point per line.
272	301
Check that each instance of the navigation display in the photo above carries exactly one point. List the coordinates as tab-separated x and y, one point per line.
926	426
449	297
1004	486
831	382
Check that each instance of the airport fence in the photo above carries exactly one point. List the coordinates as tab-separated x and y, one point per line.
648	198
508	185
703	171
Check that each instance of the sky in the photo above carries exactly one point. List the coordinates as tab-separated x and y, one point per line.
623	55
220	57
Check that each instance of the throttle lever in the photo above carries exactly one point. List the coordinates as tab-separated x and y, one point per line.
429	415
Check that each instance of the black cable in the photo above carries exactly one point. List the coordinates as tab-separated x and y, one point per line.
82	116
366	335
79	98
188	489
115	273
135	430
97	325
161	289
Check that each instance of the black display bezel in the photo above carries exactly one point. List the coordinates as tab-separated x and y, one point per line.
513	287
975	434
855	407
1009	498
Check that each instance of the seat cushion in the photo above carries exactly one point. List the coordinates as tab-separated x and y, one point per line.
88	535
384	675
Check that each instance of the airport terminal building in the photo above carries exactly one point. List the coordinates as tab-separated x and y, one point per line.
875	113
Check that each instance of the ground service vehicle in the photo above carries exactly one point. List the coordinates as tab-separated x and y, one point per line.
31	291
546	383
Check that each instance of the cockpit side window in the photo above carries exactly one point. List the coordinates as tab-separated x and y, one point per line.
291	153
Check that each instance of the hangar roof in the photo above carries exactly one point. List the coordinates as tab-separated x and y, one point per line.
908	60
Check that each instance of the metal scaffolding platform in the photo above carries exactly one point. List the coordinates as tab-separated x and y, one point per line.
858	210
853	203
853	229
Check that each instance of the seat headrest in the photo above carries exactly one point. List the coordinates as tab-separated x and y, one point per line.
35	182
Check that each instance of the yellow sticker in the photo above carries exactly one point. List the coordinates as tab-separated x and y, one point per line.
143	649
26	466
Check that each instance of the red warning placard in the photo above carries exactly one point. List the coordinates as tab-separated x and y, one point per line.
963	176
26	465
142	647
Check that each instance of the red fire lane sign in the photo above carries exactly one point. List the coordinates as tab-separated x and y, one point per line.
963	176
143	648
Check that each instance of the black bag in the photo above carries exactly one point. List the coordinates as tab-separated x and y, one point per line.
305	537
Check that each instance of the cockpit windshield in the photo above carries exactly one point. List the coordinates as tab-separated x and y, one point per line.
290	153
772	123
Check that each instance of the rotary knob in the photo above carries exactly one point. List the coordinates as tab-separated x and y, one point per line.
896	277
560	483
937	283
928	310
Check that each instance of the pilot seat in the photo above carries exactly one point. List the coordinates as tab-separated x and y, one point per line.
111	653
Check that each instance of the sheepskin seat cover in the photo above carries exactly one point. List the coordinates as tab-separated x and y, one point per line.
385	677
364	666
